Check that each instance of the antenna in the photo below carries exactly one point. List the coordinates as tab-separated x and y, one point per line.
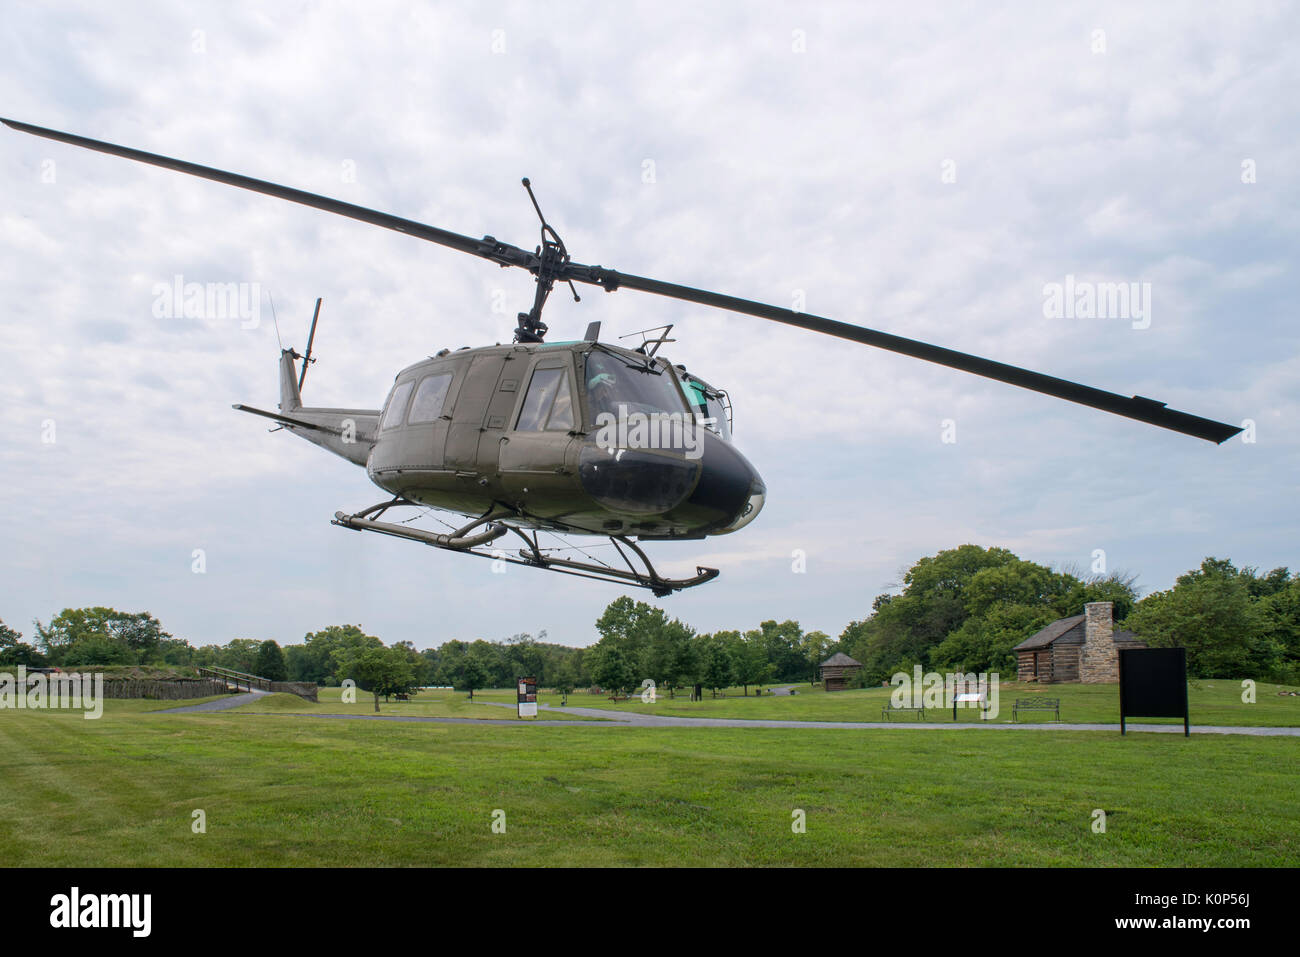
652	344
275	320
307	359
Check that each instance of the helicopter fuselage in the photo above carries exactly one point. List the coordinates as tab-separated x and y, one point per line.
575	437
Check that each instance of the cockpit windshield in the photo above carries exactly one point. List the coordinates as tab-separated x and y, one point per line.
619	387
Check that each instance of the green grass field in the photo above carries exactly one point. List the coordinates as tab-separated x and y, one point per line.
426	704
1212	702
308	791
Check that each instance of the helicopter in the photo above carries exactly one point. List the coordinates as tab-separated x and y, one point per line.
582	437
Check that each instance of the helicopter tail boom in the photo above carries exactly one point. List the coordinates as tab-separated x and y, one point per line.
348	433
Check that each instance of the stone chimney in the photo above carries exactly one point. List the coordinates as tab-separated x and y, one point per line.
1098	659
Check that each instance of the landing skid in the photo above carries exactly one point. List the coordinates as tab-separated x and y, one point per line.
473	539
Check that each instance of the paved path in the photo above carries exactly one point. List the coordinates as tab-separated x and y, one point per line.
610	718
221	704
422	719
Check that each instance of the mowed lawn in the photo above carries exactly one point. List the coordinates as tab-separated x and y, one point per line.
427	704
1211	702
308	791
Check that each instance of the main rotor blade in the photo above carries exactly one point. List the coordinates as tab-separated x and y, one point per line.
1137	407
487	247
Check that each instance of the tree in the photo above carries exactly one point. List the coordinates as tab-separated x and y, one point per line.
1211	613
967	607
421	671
611	669
565	677
669	656
492	658
270	662
638	631
524	656
139	633
984	644
749	663
1281	608
174	651
15	651
716	663
381	671
240	654
314	659
97	650
472	675
780	645
451	659
814	648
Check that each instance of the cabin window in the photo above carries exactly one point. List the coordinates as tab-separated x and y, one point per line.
396	405
548	404
429	398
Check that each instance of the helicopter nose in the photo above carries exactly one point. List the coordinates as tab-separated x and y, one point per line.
708	488
729	485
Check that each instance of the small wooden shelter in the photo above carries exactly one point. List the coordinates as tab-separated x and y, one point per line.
838	671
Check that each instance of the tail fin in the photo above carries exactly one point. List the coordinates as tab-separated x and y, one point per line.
348	433
290	398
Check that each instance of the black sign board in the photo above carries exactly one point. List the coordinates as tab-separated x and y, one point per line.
1153	684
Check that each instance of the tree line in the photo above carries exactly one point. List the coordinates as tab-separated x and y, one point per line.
963	609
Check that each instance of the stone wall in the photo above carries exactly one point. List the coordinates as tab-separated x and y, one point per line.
163	690
303	689
1098	659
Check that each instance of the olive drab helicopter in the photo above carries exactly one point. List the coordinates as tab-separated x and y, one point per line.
568	438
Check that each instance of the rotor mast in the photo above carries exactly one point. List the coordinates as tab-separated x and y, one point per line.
552	258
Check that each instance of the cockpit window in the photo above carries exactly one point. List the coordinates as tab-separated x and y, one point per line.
548	404
707	406
617	387
396	405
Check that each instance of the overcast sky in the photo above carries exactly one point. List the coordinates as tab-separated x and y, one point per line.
924	170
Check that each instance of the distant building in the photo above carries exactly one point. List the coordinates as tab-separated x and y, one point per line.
1084	648
838	671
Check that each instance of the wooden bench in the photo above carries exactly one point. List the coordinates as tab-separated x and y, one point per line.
1036	704
887	710
620	697
402	697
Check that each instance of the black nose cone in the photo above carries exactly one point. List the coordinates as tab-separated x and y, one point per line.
729	492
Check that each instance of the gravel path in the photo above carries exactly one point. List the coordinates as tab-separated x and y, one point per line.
221	704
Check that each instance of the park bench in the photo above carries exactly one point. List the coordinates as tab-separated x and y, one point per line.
1036	704
620	697
888	709
402	697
